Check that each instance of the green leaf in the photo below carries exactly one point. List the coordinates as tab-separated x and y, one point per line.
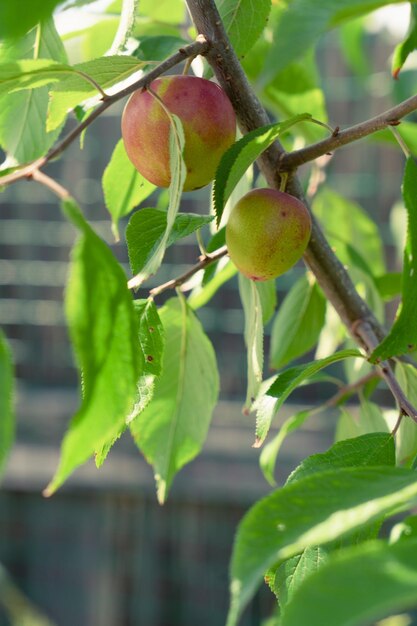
389	285
150	347
267	291
75	89
269	403
124	188
292	573
171	11
402	337
125	27
151	344
146	229
405	48
352	43
30	74
241	155
367	450
171	430
299	321
104	333
270	451
23	133
158	47
314	510
201	295
244	21
178	174
300	24
357	585
254	334
359	232
16	18
407	433
7	417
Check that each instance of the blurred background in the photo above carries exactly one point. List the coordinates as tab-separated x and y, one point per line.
102	552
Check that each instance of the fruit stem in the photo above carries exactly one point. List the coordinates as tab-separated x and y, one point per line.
283	182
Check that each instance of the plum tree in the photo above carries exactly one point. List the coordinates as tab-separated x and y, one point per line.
267	233
209	126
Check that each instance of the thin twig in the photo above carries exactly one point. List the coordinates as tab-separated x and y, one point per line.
366	335
348	390
388	118
53	185
202	264
200	46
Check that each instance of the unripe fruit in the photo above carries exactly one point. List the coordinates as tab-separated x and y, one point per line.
267	233
208	120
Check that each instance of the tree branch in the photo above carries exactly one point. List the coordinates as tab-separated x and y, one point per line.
391	117
200	46
205	260
328	270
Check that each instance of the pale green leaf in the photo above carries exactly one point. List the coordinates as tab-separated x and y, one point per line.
314	510
267	291
104	333
405	48
75	89
241	155
126	25
254	335
299	321
359	232
244	21
403	334
146	229
202	294
23	133
270	451
178	173
300	24
171	11
150	348
124	188
356	586
7	417
172	429
407	433
268	404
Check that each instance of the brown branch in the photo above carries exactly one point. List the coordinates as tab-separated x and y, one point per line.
388	118
328	270
200	46
205	260
348	390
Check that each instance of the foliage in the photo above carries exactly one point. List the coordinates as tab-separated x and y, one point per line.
150	368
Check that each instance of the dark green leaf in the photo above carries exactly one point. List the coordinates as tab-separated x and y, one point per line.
299	321
356	586
402	337
104	333
292	573
171	430
407	433
389	285
124	188
366	450
7	418
147	227
314	510
241	155
158	47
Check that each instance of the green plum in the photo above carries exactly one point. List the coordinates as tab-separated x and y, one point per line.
267	233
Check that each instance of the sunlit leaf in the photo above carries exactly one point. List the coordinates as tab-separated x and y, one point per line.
7	417
172	429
